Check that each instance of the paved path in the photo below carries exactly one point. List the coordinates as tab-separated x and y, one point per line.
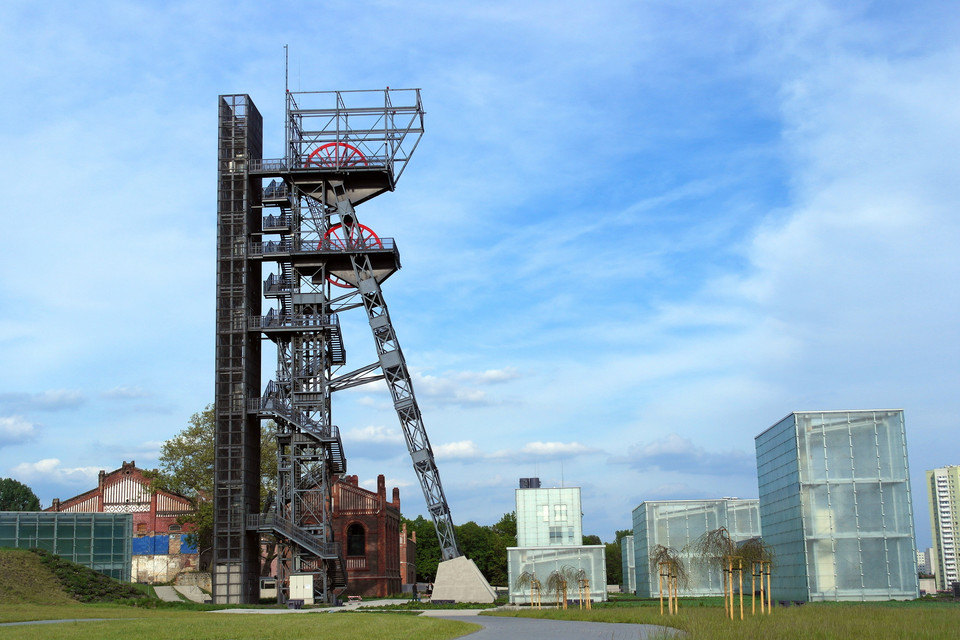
504	628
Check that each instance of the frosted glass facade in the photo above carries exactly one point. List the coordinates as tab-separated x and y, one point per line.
835	506
548	517
542	561
100	541
678	524
628	562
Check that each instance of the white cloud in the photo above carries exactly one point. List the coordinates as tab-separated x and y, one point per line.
370	484
555	449
125	392
677	454
375	434
54	400
51	471
490	376
466	450
16	430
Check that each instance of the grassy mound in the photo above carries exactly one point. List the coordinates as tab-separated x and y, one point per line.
25	580
37	576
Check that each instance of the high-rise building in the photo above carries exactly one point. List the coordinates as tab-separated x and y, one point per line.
835	506
678	524
943	490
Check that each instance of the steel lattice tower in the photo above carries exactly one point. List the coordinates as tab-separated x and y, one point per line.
342	149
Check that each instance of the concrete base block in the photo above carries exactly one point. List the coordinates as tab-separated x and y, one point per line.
461	581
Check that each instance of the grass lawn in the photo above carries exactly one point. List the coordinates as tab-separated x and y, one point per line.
833	621
131	623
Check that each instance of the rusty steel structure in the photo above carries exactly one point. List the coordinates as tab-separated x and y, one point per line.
296	217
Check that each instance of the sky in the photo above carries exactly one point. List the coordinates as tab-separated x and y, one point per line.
634	235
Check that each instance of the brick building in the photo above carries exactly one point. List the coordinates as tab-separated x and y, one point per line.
380	558
160	550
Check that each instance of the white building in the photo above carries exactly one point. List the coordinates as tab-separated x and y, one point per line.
835	506
550	539
678	524
943	491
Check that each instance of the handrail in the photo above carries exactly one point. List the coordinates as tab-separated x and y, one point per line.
375	160
282	408
278	320
276	522
307	246
277	222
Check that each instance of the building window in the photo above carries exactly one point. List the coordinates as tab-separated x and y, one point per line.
560	512
356	540
174	528
556	535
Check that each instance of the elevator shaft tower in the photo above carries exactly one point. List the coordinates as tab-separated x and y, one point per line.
297	217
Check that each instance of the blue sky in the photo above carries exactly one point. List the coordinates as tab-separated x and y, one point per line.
634	236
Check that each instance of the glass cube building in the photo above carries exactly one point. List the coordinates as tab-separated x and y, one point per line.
100	541
628	565
835	506
550	538
542	561
677	524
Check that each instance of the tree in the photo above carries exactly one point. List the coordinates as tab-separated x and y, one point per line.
591	539
506	528
717	549
428	547
16	496
613	558
485	545
187	468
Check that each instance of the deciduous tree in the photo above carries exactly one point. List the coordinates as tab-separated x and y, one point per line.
16	496
187	468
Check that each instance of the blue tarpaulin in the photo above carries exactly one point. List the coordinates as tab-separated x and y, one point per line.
151	545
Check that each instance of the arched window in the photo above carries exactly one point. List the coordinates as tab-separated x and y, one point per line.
356	540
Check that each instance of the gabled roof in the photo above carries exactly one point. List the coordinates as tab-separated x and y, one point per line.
124	490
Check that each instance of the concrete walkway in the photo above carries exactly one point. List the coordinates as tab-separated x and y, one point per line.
501	628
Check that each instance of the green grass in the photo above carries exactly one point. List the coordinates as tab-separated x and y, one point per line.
25	580
129	623
827	621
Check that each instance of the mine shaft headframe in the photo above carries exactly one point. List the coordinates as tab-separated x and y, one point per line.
376	129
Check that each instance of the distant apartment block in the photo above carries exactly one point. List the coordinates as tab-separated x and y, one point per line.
678	524
943	491
835	506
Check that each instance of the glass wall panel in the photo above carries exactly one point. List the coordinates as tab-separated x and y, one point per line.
869	508
875	574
